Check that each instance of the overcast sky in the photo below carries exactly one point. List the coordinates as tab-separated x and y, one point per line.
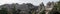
35	2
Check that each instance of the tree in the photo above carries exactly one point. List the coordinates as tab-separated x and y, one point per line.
56	8
3	11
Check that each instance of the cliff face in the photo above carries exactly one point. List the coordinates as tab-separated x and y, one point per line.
28	8
49	7
20	8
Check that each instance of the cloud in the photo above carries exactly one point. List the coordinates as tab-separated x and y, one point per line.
45	1
35	2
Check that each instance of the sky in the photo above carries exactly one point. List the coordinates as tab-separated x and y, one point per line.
34	2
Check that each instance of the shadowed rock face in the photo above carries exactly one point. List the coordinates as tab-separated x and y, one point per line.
25	8
36	7
19	8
